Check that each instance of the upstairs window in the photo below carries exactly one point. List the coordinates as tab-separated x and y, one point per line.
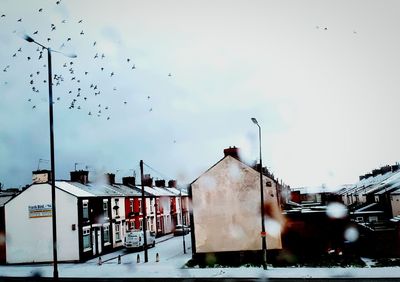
105	208
85	209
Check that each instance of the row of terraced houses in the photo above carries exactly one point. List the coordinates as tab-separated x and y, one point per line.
92	216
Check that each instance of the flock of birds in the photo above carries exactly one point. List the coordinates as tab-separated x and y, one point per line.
78	86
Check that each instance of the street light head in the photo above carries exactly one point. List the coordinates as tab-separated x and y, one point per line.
254	121
28	38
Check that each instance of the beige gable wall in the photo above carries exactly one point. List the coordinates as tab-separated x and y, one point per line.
227	211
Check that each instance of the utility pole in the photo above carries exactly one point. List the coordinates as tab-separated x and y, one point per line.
144	213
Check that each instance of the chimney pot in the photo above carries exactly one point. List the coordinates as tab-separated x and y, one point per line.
81	176
129	180
232	151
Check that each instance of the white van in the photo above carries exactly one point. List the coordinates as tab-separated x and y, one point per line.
135	239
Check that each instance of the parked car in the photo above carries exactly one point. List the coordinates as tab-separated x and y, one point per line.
135	239
181	230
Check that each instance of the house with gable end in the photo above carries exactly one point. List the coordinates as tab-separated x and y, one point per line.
226	211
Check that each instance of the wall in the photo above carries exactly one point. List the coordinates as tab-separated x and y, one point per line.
395	203
30	239
226	209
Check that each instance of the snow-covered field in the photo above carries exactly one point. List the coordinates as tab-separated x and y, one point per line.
171	264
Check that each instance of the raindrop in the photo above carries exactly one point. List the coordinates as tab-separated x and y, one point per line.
273	227
351	234
336	210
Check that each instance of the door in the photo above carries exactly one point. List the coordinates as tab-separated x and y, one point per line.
99	245
94	241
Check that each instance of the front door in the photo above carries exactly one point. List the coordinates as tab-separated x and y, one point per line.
99	241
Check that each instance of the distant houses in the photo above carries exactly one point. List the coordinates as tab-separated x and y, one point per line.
92	217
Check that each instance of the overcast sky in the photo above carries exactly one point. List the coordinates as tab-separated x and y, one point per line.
321	77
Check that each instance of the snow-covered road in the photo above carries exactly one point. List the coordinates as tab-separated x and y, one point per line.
171	265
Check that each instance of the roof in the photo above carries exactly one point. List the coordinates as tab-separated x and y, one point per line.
72	189
4	199
229	156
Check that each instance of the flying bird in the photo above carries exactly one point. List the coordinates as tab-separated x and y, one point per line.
128	60
69	39
82	33
20	20
86	72
103	56
3	15
112	73
58	2
94	43
36	32
40	9
169	74
20	50
80	21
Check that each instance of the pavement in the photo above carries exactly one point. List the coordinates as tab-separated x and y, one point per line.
122	252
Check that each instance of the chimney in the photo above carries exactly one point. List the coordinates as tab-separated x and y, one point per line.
362	177
395	167
172	183
160	183
110	178
375	172
232	151
41	176
81	176
128	180
386	169
147	180
368	175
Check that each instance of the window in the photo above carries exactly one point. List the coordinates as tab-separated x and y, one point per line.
86	239
359	219
141	224
131	205
85	209
116	207
140	206
373	218
105	208
117	233
106	234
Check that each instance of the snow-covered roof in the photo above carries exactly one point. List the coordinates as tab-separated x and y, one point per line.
98	189
126	190
4	199
71	188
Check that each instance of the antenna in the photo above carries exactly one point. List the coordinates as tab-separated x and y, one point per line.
76	165
41	161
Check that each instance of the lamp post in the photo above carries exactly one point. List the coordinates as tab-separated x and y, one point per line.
52	163
183	226
263	234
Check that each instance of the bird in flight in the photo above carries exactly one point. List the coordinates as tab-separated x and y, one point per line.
19	20
36	32
40	9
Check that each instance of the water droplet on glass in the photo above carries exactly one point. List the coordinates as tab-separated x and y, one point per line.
336	210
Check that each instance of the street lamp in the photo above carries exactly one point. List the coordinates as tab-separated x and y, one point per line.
263	234
53	177
183	226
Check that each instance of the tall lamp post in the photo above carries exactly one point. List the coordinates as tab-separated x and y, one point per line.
183	226
263	234
53	177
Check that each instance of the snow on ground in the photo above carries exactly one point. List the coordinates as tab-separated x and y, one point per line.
172	262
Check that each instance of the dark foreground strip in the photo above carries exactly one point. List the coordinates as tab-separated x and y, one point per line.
47	279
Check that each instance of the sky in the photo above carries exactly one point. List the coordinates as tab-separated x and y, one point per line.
176	82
